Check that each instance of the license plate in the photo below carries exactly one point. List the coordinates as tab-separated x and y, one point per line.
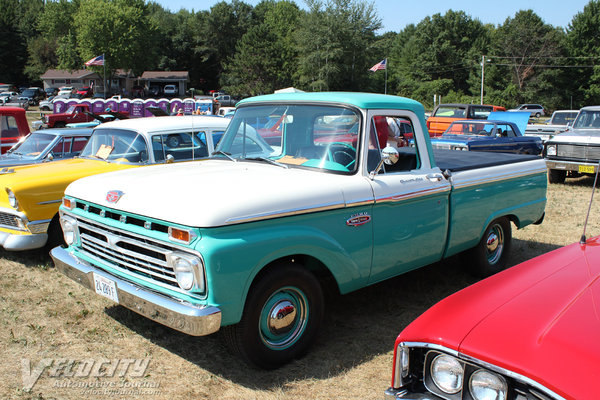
586	169
106	287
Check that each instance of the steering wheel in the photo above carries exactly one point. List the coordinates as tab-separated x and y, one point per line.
347	151
173	141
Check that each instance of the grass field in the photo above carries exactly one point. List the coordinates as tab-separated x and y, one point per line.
45	317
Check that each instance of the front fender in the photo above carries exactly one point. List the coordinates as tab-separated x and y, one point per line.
233	258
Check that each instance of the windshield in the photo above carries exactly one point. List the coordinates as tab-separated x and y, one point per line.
451	111
563	118
117	145
321	137
33	145
587	119
466	128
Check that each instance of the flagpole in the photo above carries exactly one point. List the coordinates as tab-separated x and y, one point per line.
386	68
104	64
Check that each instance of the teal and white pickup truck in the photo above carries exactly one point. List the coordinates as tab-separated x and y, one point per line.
302	196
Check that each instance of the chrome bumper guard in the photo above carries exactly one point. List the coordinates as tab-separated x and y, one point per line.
184	317
398	394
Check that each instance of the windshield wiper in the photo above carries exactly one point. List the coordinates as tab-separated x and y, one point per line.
268	160
221	152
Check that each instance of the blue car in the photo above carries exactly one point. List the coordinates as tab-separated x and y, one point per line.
486	135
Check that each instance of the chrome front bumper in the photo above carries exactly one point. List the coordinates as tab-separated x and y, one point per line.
28	241
395	394
569	165
184	317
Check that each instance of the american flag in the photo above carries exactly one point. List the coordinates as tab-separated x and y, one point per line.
96	61
378	66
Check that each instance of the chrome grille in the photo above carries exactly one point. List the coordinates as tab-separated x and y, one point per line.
144	257
7	219
578	152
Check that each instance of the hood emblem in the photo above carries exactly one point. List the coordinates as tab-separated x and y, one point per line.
113	196
358	219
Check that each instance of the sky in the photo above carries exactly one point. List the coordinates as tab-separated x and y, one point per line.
396	14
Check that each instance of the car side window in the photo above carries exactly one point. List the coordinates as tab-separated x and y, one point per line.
386	131
59	148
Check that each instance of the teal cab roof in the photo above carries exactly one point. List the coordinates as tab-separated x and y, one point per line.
360	100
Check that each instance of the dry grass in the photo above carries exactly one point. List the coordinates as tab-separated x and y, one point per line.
45	315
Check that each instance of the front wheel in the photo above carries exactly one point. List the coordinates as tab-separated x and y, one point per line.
281	317
491	253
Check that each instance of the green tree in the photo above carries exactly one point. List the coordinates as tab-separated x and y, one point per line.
335	44
119	29
583	43
526	46
13	44
265	58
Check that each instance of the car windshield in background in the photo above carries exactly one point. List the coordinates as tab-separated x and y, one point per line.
468	128
33	145
587	119
563	118
117	145
452	112
322	137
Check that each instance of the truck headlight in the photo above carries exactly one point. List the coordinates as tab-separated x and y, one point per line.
485	385
12	200
187	270
69	228
551	150
447	374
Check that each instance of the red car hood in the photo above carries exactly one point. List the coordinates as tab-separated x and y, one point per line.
539	319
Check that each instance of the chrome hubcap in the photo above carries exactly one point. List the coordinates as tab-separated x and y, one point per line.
282	317
495	244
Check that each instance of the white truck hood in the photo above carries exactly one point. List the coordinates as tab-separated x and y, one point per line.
219	192
583	136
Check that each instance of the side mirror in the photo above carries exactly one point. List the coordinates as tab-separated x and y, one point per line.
169	158
389	156
50	157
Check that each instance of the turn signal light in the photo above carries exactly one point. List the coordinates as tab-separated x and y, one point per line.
181	235
67	203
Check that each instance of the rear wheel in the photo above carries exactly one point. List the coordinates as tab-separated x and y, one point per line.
556	176
281	317
490	255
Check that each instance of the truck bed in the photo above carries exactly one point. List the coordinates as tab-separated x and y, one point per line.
455	160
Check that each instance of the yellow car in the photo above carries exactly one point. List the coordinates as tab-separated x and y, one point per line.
32	194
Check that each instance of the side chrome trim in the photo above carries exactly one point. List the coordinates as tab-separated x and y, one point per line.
482	181
41	203
286	213
412	195
484	364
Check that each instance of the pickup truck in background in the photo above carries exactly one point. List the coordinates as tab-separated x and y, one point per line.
576	151
75	113
13	127
444	114
226	100
249	241
559	122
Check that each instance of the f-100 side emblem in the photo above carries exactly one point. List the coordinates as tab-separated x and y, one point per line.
113	196
358	219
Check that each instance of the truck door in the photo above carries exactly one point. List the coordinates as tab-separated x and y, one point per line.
410	214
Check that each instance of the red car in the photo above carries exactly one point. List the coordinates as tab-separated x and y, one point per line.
85	92
529	332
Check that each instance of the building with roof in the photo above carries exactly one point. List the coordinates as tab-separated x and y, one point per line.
162	78
122	82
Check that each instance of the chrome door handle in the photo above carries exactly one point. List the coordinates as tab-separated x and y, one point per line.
435	177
